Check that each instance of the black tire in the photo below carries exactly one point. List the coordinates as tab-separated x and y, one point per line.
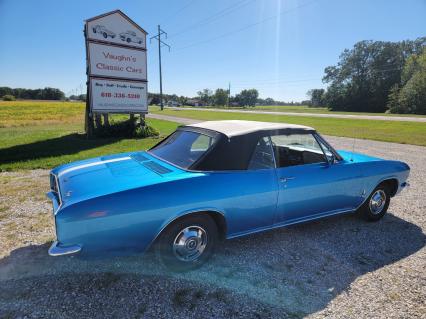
128	40
169	255
94	30
105	35
371	212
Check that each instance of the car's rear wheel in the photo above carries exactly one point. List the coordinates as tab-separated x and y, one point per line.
187	243
376	206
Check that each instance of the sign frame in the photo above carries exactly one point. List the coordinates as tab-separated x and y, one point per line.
89	98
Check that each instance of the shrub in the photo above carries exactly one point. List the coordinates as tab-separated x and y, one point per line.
8	97
146	131
127	129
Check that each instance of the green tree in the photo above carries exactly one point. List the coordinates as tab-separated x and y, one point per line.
205	96
317	97
220	97
183	100
410	95
365	75
247	97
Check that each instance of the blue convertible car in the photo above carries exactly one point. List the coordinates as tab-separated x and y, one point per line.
209	181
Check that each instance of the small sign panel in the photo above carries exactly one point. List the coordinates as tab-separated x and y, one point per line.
118	62
117	96
116	27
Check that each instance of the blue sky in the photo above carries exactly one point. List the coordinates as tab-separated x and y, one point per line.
279	47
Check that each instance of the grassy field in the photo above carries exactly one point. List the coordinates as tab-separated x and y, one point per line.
36	134
47	134
388	131
306	109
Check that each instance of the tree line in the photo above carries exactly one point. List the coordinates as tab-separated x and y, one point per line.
32	94
376	76
221	97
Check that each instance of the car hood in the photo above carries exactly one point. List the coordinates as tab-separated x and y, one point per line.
356	157
110	174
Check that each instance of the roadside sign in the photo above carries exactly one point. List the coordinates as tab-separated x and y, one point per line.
117	62
116	27
114	96
116	65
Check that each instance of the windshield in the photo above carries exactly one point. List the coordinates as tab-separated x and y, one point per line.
183	148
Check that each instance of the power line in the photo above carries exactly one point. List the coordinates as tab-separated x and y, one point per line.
298	82
247	26
172	16
160	44
217	15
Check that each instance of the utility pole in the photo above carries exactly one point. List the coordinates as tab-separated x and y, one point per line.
229	93
160	44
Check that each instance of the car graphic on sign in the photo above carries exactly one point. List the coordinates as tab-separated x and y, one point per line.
101	30
214	180
130	36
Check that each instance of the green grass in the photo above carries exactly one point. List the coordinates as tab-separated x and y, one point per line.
40	134
302	109
388	131
37	134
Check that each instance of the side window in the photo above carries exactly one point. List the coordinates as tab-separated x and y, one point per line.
296	149
202	143
263	155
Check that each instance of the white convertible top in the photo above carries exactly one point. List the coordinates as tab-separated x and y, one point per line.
236	127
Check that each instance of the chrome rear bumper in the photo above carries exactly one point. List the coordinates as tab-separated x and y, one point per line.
57	250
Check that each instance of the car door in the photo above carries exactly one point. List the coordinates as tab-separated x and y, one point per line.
252	193
310	185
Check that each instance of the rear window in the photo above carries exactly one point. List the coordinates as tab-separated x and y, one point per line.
183	148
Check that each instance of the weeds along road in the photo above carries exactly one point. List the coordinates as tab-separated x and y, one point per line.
340	267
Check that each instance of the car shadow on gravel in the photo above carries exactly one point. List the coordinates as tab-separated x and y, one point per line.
289	273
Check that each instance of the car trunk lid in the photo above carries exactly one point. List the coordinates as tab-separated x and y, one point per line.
110	174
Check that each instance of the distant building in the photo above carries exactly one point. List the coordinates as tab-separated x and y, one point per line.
195	102
173	103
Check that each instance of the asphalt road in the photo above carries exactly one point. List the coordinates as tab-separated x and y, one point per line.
327	115
340	267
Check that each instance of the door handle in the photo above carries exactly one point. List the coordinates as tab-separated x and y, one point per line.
286	179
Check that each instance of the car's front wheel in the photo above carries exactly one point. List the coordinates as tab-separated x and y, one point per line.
187	243
376	206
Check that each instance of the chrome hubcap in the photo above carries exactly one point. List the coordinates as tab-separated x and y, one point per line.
190	243
377	201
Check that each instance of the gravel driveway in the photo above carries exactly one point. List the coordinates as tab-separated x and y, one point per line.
341	267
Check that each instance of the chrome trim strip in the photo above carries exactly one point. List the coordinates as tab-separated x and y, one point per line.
56	250
57	200
294	222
